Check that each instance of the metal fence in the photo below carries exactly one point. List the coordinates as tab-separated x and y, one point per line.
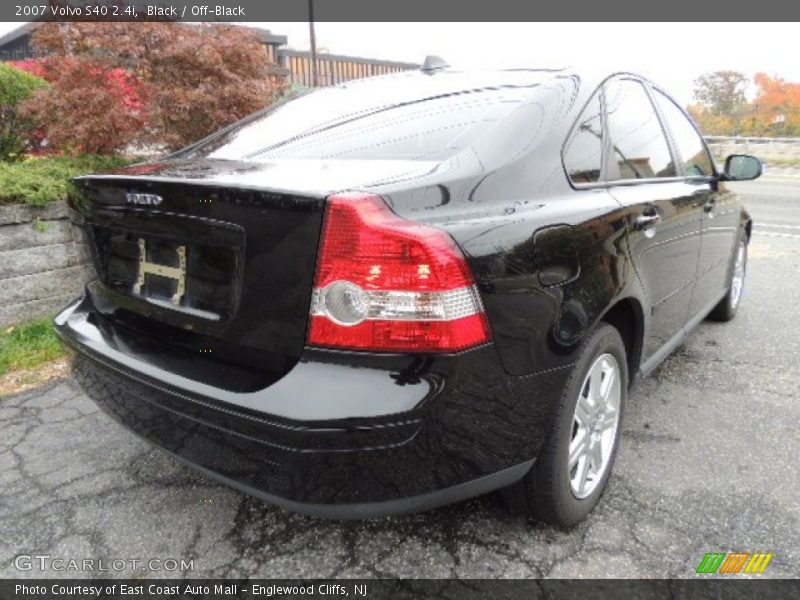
773	150
333	68
736	139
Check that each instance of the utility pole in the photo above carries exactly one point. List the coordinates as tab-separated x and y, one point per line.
313	36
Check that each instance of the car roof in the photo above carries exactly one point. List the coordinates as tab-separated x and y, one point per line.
418	83
457	78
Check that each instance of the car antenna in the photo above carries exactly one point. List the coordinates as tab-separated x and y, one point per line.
433	64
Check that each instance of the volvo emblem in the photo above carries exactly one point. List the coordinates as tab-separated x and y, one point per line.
143	199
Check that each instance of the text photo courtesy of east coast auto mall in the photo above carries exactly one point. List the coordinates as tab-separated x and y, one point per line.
346	298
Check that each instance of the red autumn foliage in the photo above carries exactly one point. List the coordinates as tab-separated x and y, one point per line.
88	107
776	108
197	78
34	66
124	82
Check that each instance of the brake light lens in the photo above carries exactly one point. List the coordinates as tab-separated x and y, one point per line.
384	283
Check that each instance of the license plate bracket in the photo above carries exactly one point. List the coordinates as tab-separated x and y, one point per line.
177	274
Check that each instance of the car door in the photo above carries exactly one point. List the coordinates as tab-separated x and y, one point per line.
663	214
720	221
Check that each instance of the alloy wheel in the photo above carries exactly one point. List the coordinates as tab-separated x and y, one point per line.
594	426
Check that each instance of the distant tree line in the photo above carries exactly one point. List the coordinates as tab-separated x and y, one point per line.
721	106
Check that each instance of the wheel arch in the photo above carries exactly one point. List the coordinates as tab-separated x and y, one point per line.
627	317
746	223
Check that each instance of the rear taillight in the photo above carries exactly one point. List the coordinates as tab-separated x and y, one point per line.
387	284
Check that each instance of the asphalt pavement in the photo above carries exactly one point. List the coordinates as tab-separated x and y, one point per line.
708	463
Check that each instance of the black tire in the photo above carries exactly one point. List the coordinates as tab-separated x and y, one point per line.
727	307
545	492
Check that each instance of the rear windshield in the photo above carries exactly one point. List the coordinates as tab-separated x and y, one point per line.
368	123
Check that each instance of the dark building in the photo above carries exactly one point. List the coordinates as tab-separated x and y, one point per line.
16	45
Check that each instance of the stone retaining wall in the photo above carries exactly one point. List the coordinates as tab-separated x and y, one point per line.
43	262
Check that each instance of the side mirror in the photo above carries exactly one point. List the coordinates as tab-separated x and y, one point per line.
742	167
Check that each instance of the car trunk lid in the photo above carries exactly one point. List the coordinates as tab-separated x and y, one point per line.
193	262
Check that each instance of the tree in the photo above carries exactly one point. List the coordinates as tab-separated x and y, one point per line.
722	102
721	92
198	78
724	110
88	108
710	123
776	109
16	131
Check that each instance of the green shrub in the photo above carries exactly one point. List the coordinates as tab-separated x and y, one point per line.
29	345
15	130
39	181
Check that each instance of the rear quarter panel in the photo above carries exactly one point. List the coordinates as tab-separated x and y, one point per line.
547	269
549	260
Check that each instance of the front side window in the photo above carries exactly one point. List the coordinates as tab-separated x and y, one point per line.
583	156
696	160
639	147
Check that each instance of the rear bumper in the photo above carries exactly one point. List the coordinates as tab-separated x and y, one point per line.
341	435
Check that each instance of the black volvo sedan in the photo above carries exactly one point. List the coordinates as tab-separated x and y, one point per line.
403	291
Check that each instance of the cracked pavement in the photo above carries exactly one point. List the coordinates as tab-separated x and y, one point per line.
708	462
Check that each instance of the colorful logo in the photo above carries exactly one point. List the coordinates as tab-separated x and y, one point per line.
734	562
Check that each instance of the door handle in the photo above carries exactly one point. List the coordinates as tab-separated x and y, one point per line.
645	221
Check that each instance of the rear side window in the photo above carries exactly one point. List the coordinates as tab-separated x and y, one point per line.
583	156
695	157
639	147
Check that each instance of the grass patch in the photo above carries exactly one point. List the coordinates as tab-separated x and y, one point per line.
39	181
29	345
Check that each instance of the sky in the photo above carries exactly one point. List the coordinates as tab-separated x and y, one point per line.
670	54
